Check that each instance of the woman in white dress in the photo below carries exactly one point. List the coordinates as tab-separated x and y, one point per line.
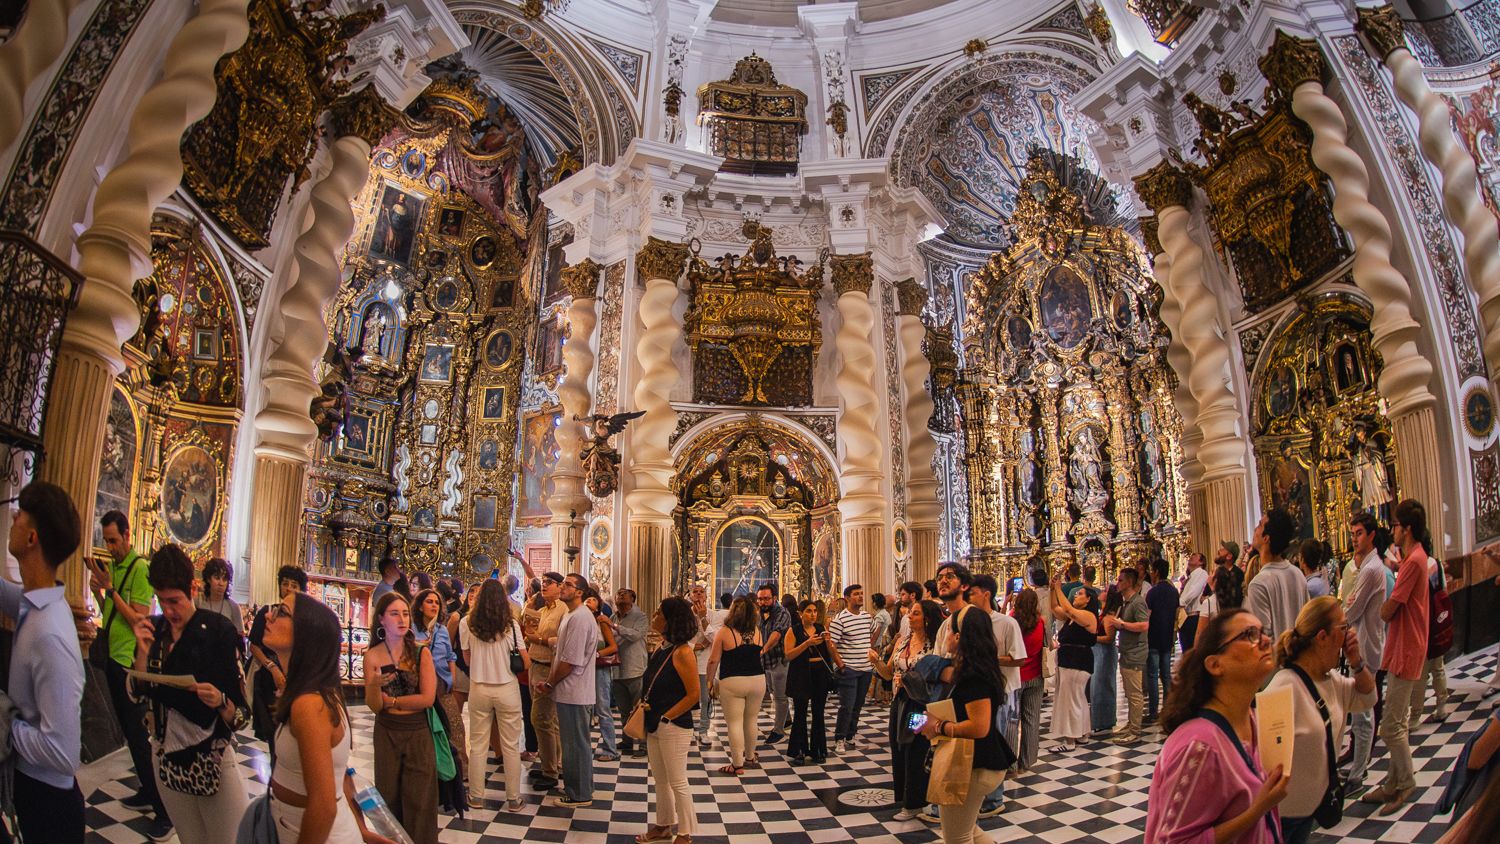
312	793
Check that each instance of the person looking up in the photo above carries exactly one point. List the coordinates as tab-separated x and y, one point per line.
1133	624
1194	598
488	636
741	682
571	683
391	579
539	624
1161	605
1276	594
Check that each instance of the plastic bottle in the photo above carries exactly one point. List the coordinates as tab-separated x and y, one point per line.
378	816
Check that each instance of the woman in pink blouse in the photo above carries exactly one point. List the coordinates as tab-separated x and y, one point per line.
1208	785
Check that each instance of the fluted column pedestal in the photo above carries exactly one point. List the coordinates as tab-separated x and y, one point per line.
1296	67
32	47
863	504
569	497
277	503
923	509
116	249
650	500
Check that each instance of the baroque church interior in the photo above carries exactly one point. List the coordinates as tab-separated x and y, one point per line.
728	292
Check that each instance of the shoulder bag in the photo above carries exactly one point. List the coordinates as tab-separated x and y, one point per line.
635	725
99	648
1331	808
1218	720
517	665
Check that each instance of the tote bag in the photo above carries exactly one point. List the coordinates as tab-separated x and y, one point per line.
952	770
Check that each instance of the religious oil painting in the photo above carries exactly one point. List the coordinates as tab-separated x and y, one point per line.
484	512
357	433
504	293
745	556
482	252
396	218
437	363
549	346
1066	312
539	453
498	348
1348	374
190	494
117	464
494	403
489	455
447	295
1291	488
1281	396
451	222
205	344
1018	332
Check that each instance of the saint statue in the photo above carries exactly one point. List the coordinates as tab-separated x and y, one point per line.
1088	485
1370	475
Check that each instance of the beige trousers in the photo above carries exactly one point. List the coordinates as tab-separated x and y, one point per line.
667	752
499	704
741	697
960	823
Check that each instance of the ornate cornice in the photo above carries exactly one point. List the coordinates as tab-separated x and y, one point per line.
1382	29
911	297
582	279
363	114
661	259
1164	186
1292	61
853	273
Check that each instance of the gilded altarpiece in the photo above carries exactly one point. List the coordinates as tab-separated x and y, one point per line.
1070	436
1323	444
169	442
443	273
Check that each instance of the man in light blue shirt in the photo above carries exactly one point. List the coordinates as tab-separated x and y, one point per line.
46	669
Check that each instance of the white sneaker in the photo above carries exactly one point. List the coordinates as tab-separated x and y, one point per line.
841	747
906	815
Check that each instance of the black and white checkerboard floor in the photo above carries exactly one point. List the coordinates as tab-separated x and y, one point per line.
1097	793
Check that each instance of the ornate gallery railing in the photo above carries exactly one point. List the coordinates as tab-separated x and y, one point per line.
1466	36
37	289
1167	19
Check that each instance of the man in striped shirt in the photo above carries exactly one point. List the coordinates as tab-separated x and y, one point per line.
852	632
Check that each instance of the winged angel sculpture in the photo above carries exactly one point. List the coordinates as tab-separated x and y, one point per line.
600	459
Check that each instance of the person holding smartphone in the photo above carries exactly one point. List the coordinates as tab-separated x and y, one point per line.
809	677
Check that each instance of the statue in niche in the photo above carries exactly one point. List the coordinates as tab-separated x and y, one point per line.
600	459
330	408
1370	476
374	332
1028	468
1085	472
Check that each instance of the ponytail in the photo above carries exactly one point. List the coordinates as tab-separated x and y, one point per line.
1315	617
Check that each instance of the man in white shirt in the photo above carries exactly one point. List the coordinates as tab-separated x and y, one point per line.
852	632
1278	592
1193	599
1362	611
571	684
710	620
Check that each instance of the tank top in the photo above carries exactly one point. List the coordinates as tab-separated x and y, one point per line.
288	773
666	691
742	660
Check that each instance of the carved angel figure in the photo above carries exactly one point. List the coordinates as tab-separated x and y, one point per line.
331	406
600	459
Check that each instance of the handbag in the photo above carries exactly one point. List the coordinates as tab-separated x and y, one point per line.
195	770
517	664
635	725
1331	808
952	770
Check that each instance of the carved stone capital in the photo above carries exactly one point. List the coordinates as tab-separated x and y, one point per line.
363	114
1149	235
660	259
1292	61
1164	186
853	273
582	279
911	297
1382	29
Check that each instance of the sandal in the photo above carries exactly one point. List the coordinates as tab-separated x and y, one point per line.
684	838
731	770
753	765
653	834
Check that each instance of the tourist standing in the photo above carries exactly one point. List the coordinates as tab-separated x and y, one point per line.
192	728
1075	662
1012	654
490	637
391	580
1312	557
270	674
1433	668
1229	579
737	677
774	622
1103	696
400	684
1405	614
1033	635
46	670
710	621
1278	591
1161	605
429	627
571	683
1362	609
851	632
809	677
630	627
539	624
670	697
1208	783
214	595
909	759
606	660
1195	594
1308	655
1134	626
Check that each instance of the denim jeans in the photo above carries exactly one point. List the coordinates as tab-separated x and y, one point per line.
776	696
1362	731
705	706
1297	830
853	686
606	715
1158	678
1102	688
577	760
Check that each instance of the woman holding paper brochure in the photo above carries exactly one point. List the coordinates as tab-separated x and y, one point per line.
1209	783
196	707
1308	655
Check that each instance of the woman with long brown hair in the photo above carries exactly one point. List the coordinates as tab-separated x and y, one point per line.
489	638
1028	615
741	683
1208	778
400	684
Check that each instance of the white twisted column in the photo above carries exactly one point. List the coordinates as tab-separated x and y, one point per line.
923	508
1181	361
284	426
1296	67
862	505
1224	485
568	502
650	502
35	44
116	250
1463	204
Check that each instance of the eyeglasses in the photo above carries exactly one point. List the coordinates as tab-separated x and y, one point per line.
947	575
1253	635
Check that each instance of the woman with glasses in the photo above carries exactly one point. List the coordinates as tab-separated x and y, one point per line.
400	684
1208	782
1308	655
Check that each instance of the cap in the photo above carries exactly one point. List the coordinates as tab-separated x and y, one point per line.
1232	547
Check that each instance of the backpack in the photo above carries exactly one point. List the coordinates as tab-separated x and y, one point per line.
1439	618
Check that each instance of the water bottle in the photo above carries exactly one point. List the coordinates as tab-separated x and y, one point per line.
378	816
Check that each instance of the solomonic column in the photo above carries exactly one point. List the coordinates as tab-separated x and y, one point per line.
863	504
1295	67
34	45
1463	204
1181	361
284	427
1167	191
568	502
923	508
650	502
116	250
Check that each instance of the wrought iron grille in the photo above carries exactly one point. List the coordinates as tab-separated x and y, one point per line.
37	293
1462	37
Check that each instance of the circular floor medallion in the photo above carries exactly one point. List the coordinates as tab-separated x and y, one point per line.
867	797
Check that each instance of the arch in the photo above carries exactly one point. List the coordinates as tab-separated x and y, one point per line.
691	450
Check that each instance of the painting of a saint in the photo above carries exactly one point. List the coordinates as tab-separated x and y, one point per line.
447	295
482	252
190	495
494	403
437	363
549	346
1018	332
357	433
451	222
117	464
396	219
1347	372
539	454
1120	307
1281	395
504	293
1066	311
552	286
489	455
484	512
745	556
824	560
497	349
1291	489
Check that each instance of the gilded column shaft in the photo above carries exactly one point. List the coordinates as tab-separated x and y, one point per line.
32	47
277	504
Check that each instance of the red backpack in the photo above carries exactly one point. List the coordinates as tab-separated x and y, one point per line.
1439	618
